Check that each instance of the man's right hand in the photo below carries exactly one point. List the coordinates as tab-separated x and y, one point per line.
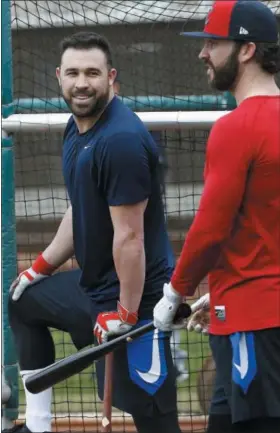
166	308
40	269
200	319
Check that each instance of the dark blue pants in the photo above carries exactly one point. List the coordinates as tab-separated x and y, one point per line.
59	302
247	383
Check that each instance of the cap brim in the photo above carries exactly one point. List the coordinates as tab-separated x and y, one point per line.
201	35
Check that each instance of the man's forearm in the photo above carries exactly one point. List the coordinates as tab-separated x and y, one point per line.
61	248
130	263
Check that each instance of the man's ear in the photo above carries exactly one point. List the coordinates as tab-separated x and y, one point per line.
247	52
57	73
112	76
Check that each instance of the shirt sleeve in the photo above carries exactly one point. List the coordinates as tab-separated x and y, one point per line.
228	159
124	173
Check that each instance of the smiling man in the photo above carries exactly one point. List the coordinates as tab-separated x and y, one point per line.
115	226
235	234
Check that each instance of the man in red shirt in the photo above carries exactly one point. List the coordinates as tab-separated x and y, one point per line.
235	236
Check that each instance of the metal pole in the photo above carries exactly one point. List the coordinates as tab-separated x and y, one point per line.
10	371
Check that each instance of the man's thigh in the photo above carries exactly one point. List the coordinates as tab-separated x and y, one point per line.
247	370
144	375
58	302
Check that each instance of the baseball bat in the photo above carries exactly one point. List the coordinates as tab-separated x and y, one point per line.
106	422
73	364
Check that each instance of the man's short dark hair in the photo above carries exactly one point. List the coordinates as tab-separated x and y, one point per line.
267	55
86	41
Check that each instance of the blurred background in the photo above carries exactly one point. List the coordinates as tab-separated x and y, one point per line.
158	71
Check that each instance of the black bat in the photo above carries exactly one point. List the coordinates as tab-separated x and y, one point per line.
73	364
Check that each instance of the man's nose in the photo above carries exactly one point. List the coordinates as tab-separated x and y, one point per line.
204	54
81	82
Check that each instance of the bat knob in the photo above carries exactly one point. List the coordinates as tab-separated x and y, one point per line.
183	312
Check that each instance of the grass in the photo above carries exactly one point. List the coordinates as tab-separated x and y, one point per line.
79	394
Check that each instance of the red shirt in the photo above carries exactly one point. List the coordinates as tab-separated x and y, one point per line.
235	236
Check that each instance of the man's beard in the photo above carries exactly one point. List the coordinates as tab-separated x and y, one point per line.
93	109
225	76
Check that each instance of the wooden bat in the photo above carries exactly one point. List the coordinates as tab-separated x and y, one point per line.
73	364
106	423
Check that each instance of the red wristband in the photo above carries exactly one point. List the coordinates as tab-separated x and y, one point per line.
41	266
126	316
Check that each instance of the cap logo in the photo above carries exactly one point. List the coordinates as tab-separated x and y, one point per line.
243	31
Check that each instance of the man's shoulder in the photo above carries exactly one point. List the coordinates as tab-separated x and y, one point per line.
124	119
246	115
230	120
123	128
235	125
128	128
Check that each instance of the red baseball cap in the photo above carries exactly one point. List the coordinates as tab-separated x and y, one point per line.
247	20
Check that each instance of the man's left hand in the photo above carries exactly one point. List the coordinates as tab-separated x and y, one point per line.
114	323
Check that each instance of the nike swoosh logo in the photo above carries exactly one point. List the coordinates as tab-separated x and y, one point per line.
243	351
154	372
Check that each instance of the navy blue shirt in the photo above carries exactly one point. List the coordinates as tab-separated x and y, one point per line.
114	163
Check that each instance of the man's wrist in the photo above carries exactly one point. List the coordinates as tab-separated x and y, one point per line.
126	316
41	266
180	286
171	294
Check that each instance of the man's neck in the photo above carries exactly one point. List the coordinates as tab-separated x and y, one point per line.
255	84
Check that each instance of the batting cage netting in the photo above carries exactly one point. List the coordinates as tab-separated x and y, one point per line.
160	78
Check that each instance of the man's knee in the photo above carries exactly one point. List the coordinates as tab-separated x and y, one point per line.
21	306
11	303
13	310
19	311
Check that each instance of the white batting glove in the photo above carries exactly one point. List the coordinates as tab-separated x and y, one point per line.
199	322
166	308
39	270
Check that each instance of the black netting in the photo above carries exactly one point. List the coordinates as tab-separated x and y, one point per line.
154	62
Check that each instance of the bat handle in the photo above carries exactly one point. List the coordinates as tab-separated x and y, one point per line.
106	423
183	312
